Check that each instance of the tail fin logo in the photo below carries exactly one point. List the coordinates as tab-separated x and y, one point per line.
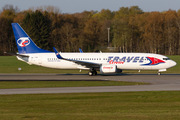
23	41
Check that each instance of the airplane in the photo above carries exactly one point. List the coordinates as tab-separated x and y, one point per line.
30	53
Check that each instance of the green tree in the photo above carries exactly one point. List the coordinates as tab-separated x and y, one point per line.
178	26
37	26
82	19
92	32
121	35
104	15
7	42
170	32
125	12
153	32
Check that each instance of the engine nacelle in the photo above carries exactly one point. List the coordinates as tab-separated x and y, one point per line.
108	69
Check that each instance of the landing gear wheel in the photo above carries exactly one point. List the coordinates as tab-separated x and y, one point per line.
159	73
94	73
90	73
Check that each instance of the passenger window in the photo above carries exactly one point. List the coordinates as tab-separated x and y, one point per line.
166	59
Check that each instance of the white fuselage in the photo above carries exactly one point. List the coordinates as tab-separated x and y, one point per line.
123	61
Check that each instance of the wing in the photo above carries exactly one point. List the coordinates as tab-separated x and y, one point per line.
83	63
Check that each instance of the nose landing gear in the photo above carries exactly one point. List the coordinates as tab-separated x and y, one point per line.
161	70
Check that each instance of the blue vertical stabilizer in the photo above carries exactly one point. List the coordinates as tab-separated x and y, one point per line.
24	42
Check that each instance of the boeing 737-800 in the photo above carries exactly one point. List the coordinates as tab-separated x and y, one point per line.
103	62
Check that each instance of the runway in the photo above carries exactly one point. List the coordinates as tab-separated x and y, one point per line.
165	82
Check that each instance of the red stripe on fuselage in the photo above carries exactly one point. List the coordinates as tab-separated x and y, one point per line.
155	61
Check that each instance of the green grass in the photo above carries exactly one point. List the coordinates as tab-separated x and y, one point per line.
92	106
46	84
9	64
175	69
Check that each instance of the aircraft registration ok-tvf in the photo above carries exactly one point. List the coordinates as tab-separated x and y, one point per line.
103	62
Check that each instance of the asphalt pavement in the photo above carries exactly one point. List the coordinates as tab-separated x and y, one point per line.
164	82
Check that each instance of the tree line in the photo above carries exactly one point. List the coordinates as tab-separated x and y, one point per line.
130	30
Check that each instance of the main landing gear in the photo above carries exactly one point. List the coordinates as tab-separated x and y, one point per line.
92	72
159	73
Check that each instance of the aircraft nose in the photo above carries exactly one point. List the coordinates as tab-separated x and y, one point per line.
173	63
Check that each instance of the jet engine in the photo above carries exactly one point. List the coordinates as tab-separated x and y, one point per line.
108	68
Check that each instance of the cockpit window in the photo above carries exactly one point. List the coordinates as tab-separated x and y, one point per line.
166	59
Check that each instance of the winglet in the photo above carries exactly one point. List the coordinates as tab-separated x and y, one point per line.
80	50
57	53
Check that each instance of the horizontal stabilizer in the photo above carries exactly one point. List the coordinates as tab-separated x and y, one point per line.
15	54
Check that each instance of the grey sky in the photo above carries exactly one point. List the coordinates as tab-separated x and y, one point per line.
73	6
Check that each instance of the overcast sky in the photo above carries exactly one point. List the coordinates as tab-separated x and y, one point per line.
74	6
